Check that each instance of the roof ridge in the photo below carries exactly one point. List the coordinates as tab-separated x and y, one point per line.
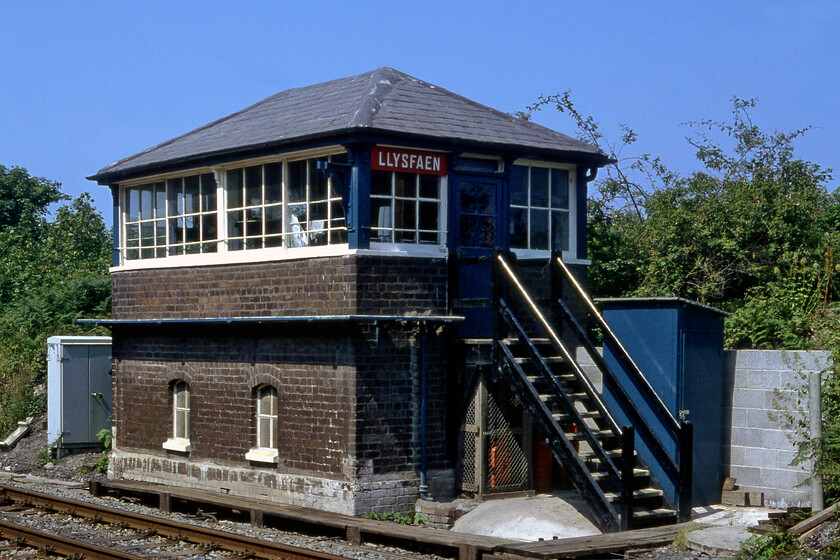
382	81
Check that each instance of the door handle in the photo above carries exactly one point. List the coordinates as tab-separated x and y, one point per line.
97	395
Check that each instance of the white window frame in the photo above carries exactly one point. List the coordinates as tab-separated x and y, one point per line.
225	256
180	440
271	418
569	255
382	234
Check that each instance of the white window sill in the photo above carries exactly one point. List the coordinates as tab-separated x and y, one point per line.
177	444
263	455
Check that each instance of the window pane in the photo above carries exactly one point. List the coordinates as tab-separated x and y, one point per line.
146	202
519	185
429	216
559	188
191	231
518	228
234	188
405	214
173	194
274	219
317	181
253	185
539	229
380	183
253	225
539	186
176	230
264	431
560	231
405	184
236	224
208	227
380	215
160	200
429	186
208	192
273	183
191	194
297	181
132	196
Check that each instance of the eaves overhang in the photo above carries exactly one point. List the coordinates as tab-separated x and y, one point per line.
348	136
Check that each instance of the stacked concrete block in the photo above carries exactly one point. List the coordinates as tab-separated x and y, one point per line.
760	450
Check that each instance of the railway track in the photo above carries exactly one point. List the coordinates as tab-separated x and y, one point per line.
51	524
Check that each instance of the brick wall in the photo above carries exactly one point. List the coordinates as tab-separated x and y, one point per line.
312	370
318	286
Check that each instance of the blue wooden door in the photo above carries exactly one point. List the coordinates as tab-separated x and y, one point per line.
477	236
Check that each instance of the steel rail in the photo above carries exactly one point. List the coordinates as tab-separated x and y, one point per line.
164	527
57	544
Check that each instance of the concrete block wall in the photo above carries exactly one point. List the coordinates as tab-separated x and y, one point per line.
757	451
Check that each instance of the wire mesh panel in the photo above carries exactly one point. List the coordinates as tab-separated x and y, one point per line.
507	460
470	471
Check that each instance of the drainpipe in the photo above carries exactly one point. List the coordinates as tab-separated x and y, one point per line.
424	489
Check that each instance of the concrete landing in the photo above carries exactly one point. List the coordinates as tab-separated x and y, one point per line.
717	541
545	516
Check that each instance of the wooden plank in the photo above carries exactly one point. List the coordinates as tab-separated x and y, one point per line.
594	545
345	524
814	520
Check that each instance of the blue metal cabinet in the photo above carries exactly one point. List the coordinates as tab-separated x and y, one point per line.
678	345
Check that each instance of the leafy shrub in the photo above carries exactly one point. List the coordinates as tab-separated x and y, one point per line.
104	437
768	545
408	518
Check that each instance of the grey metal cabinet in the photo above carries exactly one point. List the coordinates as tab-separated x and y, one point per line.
79	390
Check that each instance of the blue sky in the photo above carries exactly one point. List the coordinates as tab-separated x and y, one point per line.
83	84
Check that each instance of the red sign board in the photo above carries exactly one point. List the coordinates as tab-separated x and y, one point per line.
408	161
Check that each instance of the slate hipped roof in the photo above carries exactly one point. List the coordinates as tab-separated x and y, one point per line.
383	101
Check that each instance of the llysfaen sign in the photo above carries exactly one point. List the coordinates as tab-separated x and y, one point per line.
408	161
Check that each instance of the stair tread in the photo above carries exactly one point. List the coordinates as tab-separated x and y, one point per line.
599	434
637	494
647	513
583	414
546	359
637	473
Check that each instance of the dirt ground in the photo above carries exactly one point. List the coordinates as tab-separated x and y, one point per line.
22	458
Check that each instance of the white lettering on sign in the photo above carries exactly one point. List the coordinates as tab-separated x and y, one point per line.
411	161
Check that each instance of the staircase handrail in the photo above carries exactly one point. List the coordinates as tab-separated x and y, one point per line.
638	377
556	342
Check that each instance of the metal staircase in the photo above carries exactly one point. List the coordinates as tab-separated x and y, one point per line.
600	457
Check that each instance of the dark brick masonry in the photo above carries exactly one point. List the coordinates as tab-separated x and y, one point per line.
324	286
348	393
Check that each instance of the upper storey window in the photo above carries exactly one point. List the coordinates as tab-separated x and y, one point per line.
540	205
285	204
172	217
405	208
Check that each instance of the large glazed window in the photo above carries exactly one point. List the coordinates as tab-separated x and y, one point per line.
405	208
277	204
282	204
172	217
540	208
